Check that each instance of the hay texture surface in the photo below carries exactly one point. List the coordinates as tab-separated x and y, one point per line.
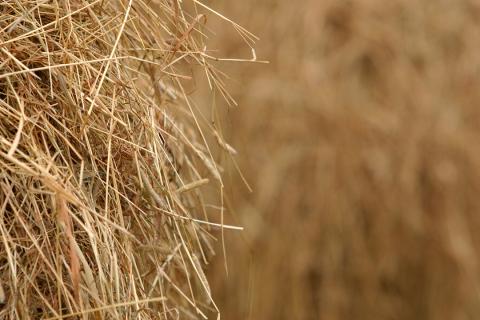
101	161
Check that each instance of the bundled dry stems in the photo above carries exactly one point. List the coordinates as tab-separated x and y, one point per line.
101	160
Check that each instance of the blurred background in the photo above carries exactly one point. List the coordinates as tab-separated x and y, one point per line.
360	141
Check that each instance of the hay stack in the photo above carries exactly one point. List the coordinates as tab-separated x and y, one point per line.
101	161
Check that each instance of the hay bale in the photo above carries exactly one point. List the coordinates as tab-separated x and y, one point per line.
101	158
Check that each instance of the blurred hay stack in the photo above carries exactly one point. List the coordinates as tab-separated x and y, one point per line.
102	159
360	142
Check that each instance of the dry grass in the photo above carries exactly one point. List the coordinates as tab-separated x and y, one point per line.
360	142
103	158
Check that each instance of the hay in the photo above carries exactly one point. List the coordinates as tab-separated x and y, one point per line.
101	161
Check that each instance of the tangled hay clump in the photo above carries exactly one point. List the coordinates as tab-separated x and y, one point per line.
102	157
